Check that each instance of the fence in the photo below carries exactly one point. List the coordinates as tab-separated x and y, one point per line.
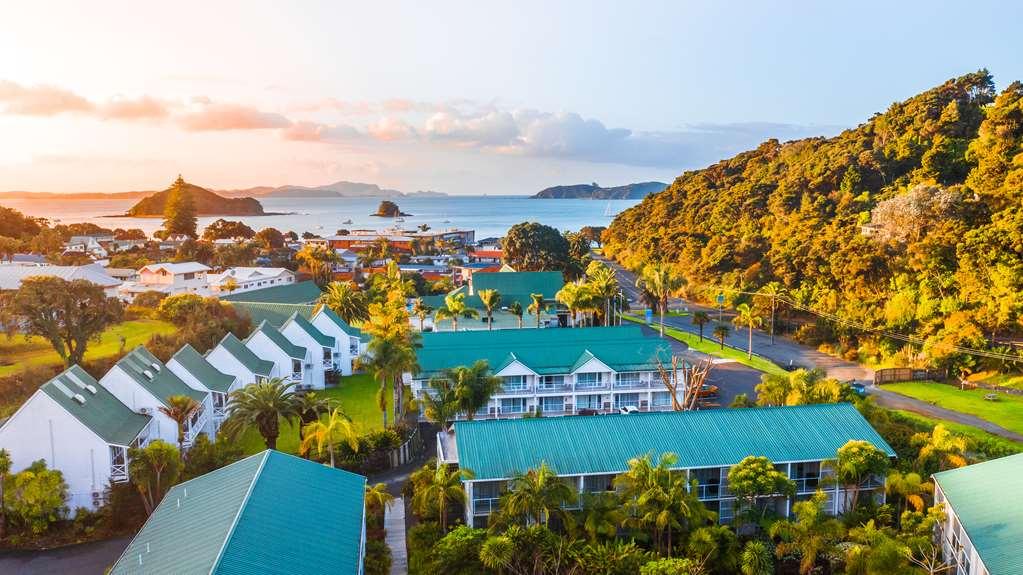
407	451
897	374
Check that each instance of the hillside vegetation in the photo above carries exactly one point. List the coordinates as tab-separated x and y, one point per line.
636	191
206	203
911	222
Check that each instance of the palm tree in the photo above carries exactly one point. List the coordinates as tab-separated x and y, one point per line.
577	298
656	499
153	470
440	404
473	385
811	535
497	553
261	405
662	282
756	559
747	317
180	409
603	284
491	299
421	311
536	307
5	469
721	332
454	308
377	498
389	359
537	494
516	310
700	319
441	488
310	407
338	427
941	445
910	488
347	301
601	514
773	290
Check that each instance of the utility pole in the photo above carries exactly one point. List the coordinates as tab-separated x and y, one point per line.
774	300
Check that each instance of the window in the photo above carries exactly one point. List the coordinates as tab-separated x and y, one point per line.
626	400
629	379
514	383
597	483
296	367
588	402
548	382
513	405
661	398
327	354
584	380
189	276
552	404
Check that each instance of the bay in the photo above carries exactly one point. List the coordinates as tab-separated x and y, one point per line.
489	216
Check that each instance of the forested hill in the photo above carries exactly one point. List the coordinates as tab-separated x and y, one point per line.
206	204
912	221
595	192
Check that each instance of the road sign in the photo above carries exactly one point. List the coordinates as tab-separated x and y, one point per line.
649	315
721	299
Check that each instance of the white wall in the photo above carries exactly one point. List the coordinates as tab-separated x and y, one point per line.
313	376
268	350
225	361
42	429
207	402
342	341
136	397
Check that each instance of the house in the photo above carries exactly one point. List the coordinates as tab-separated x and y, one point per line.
230	356
11	275
306	292
491	256
349	342
322	348
983	524
199	374
88	245
268	513
399	240
248	279
513	287
123	274
554	371
77	426
144	384
589	452
292	363
168	278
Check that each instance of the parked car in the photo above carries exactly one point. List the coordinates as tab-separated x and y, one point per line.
858	388
588	411
707	390
627	409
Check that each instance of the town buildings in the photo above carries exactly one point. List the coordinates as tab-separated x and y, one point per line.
168	278
399	240
12	274
248	279
514	287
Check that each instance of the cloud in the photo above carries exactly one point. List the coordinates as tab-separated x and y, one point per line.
211	116
315	132
389	129
42	100
133	109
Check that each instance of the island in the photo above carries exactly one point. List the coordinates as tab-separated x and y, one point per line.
389	209
206	203
593	191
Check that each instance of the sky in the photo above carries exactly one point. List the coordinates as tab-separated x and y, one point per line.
459	97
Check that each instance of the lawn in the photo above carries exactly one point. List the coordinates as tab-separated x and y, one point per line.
1013	380
357	396
711	347
961	429
20	352
1006	412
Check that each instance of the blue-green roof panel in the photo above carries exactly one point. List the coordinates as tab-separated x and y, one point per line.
150	373
101	412
280	340
302	292
202	370
244	355
320	337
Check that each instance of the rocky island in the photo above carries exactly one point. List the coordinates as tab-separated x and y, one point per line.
389	209
206	203
593	191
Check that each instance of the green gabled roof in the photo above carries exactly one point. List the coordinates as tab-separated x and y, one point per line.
274	313
231	521
545	351
244	355
202	370
163	383
301	292
572	445
519	283
344	325
280	340
104	414
507	296
320	337
988	500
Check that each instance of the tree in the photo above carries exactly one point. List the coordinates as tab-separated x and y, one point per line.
497	553
700	319
721	332
753	480
671	567
270	238
34	498
261	405
799	387
391	349
455	307
474	385
377	498
338	428
205	455
601	515
347	301
756	559
515	308
940	447
491	300
444	487
153	470
811	535
5	470
592	233
222	229
421	311
180	409
577	298
229	285
8	247
179	210
602	283
856	463
440	403
746	316
536	306
530	246
662	282
67	314
656	500
537	494
910	488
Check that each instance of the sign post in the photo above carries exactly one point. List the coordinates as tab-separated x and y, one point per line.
721	305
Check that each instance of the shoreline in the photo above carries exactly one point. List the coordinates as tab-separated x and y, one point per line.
209	215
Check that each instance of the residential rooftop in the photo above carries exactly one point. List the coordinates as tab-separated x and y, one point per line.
95	407
279	339
344	325
988	500
604	444
176	268
268	513
11	275
274	313
320	337
244	355
203	370
153	375
302	292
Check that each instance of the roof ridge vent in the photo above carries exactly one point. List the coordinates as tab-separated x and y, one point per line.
92	388
79	398
156	366
147	373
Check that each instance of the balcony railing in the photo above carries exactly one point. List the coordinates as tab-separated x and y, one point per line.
195	426
553	387
592	385
640	384
515	389
118	473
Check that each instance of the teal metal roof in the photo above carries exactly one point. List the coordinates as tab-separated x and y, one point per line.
153	375
104	414
301	292
244	355
988	499
344	325
201	369
268	513
280	340
519	283
274	313
320	337
545	351
573	445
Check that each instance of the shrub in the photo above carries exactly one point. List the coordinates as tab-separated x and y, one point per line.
34	498
378	558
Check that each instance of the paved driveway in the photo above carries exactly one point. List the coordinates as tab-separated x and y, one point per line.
86	558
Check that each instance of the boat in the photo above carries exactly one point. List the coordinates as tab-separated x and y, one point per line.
347	222
399	219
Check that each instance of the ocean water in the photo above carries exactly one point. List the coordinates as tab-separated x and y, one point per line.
490	216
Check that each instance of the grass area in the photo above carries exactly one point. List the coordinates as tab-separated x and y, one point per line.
1007	411
20	352
357	396
966	430
1013	380
711	347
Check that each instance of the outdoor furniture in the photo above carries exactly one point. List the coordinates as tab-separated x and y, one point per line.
991	397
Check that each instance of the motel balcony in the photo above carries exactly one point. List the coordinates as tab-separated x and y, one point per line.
195	425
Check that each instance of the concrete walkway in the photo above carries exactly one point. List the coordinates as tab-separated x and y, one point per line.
394	523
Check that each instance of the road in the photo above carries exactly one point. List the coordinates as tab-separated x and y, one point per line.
86	558
786	352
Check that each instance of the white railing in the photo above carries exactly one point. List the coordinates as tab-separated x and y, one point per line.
195	426
118	472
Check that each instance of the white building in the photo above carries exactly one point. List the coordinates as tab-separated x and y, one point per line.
193	369
11	275
88	245
250	279
348	343
320	347
230	356
292	363
169	278
79	428
144	384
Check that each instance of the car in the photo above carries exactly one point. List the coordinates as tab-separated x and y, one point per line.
707	390
588	411
627	409
858	388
